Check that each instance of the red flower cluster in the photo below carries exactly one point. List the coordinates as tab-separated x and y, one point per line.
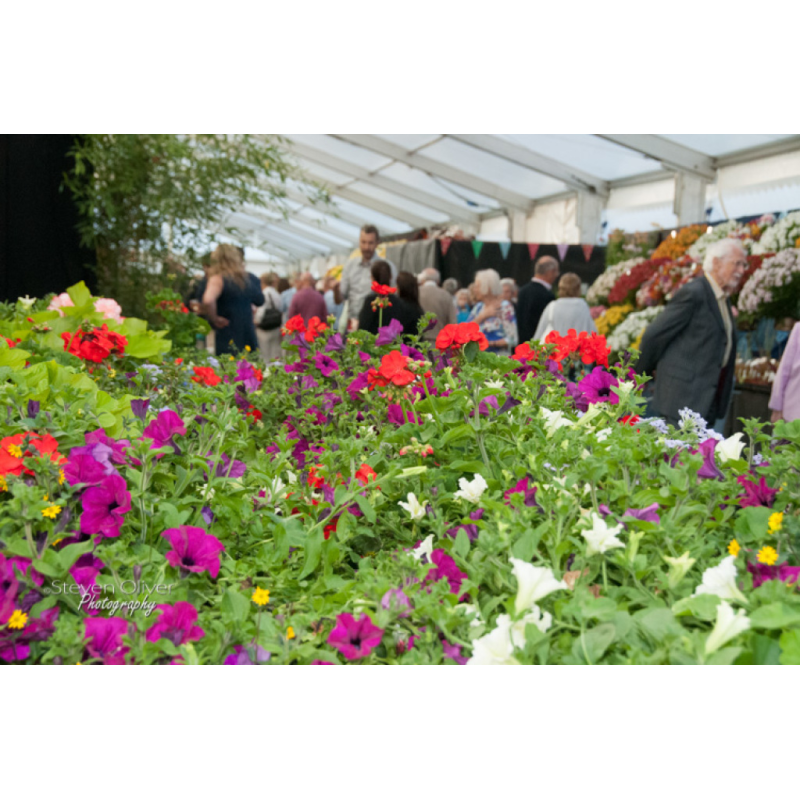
591	349
524	352
11	343
627	284
95	345
172	305
382	290
392	372
14	448
451	337
365	474
206	376
297	325
254	413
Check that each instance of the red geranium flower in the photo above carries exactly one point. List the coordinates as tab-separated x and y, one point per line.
365	474
382	290
315	328
453	336
95	345
295	325
524	352
206	376
392	371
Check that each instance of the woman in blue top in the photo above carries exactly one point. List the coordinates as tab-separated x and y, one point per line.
229	298
495	316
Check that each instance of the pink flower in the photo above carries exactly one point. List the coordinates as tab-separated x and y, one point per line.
105	506
61	301
445	567
110	309
355	638
176	623
193	550
104	639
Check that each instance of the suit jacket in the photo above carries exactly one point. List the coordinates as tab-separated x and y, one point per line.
686	345
532	301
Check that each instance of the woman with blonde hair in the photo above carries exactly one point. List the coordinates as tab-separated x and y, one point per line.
569	311
231	293
495	316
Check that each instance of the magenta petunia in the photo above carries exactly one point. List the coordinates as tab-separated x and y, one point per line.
756	494
193	550
243	656
453	651
396	600
647	514
597	385
9	585
357	384
163	428
104	639
325	364
445	567
82	468
527	491
105	506
84	572
15	644
355	638
246	373
335	343
117	446
176	623
780	572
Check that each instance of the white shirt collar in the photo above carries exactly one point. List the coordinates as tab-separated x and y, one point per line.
544	283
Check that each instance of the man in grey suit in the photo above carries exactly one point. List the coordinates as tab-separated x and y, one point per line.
691	348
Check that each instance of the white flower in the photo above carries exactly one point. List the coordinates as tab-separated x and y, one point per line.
424	548
413	506
468	608
602	537
554	420
495	648
602	435
533	583
721	581
26	302
624	389
542	620
728	626
730	449
472	490
678	567
495	385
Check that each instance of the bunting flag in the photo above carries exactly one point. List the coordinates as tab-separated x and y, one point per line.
533	249
476	248
445	244
588	249
504	248
562	251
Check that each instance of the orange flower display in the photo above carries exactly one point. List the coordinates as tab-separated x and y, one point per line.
677	247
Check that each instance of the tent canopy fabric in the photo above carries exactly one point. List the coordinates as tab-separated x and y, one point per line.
403	182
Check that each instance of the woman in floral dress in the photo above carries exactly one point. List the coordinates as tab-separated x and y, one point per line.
495	316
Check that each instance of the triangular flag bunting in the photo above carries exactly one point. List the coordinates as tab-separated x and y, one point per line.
562	251
476	248
504	248
588	249
445	244
533	249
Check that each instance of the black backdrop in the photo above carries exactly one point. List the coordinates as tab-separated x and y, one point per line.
460	261
40	248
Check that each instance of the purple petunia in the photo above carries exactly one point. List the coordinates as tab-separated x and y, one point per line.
780	572
388	333
709	468
163	429
104	639
243	656
648	514
396	600
139	408
756	494
396	415
105	506
193	550
246	373
308	382
325	364
355	638
228	469
176	623
334	344
596	387
453	651
445	567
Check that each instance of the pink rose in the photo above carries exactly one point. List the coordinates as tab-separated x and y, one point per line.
110	309
61	301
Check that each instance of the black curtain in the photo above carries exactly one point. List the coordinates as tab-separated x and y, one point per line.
40	248
459	262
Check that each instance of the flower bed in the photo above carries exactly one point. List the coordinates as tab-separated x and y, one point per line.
401	502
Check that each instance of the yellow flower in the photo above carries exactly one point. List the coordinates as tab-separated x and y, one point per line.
767	555
247	348
18	620
112	373
231	358
61	477
775	522
260	596
290	632
51	511
734	547
3	484
15	450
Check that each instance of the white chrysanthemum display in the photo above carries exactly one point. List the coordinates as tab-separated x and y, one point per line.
775	272
780	236
598	291
629	330
730	229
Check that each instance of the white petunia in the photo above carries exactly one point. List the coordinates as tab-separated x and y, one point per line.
495	648
728	626
495	385
554	420
533	584
601	537
413	506
678	567
425	548
721	581
473	490
730	449
542	620
26	302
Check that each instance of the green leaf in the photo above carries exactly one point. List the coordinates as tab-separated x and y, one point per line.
313	550
766	650
72	552
234	607
366	507
471	350
526	545
704	606
790	647
593	644
459	432
658	623
462	543
725	657
775	615
79	294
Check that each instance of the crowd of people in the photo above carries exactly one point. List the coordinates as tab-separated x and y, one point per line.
689	350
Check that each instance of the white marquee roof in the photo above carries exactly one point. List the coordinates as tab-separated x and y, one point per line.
401	182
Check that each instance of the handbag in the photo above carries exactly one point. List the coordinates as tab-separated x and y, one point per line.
271	318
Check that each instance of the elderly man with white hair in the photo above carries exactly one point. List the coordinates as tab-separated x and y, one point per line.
691	348
436	301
